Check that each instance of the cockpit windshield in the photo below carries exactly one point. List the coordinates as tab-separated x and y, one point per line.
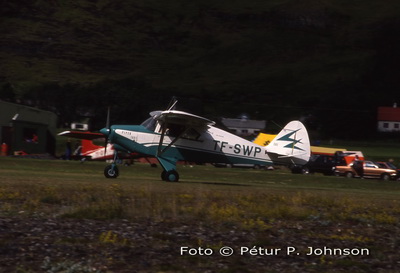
150	123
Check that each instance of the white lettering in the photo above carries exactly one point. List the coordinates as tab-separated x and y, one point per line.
259	251
327	251
290	250
196	251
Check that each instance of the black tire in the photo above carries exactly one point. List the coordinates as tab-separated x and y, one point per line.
170	176
349	175
385	176
111	172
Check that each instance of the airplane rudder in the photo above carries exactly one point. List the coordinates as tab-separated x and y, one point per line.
292	127
88	145
304	151
293	139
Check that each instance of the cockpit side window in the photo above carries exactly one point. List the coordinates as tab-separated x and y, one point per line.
176	130
191	134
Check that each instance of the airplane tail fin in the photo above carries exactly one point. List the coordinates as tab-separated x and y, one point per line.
291	146
88	145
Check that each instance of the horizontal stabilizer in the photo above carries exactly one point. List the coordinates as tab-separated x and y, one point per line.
289	156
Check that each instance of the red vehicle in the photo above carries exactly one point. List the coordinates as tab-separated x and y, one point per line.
371	170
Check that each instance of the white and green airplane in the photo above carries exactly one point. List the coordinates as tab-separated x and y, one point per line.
172	136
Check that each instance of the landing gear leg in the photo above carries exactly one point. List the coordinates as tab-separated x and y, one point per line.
111	171
169	165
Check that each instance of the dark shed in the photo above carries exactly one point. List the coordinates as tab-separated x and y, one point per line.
27	129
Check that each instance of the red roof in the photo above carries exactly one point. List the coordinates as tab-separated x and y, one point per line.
388	114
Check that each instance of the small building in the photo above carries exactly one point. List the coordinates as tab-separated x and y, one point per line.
82	125
27	129
389	119
244	126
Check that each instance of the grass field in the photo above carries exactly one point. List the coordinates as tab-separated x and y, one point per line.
210	208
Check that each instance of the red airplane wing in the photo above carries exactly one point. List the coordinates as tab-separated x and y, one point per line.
81	135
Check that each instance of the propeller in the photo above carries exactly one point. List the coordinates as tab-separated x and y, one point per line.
108	130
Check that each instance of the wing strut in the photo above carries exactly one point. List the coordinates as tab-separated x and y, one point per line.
160	150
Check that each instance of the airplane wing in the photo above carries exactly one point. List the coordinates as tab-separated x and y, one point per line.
172	118
183	118
81	135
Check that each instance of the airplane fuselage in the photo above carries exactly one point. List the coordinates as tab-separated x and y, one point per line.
212	145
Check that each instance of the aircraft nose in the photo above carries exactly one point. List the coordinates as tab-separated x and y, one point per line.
105	131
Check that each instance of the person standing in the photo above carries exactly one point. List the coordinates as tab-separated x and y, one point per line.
358	166
68	150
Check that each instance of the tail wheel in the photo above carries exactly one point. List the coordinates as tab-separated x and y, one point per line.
111	171
305	170
170	176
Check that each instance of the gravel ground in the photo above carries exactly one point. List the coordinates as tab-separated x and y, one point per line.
36	244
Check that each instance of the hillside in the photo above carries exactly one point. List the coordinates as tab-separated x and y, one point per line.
279	59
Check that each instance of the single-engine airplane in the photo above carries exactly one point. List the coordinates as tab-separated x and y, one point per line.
172	135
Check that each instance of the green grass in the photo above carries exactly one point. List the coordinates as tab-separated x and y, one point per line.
83	190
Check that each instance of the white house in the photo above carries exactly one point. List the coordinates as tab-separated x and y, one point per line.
244	126
389	119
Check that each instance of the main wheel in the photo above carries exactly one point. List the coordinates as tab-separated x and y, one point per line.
111	172
170	176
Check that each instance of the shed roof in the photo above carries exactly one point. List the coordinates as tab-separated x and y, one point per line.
11	111
243	123
388	113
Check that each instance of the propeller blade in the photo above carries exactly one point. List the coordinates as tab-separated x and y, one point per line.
108	129
108	118
105	145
